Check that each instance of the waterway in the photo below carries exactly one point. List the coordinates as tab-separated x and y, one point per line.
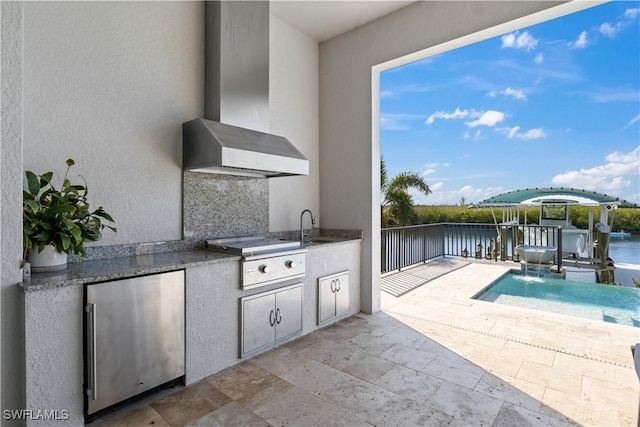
625	249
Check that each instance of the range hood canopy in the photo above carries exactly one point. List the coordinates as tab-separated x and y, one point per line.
214	147
233	137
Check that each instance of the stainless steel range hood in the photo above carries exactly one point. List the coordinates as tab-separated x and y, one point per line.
233	137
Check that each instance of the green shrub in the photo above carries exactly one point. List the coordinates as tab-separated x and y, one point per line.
624	218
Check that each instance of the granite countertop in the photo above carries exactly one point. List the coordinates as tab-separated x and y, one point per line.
121	267
78	273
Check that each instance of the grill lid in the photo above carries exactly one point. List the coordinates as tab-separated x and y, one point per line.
251	245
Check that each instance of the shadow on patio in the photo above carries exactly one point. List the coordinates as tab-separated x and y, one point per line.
432	357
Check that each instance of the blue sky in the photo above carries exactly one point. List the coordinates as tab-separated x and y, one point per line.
552	105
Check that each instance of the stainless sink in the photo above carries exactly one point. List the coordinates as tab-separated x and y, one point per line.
319	240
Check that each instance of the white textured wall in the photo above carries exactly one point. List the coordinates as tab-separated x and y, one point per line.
211	324
293	104
55	330
109	84
349	142
11	204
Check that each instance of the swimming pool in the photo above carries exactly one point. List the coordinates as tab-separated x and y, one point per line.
613	304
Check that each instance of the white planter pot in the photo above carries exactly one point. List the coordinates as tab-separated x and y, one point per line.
47	260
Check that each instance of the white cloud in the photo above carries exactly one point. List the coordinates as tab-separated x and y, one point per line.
519	40
431	168
609	95
608	30
477	135
514	132
437	186
429	171
453	197
510	92
539	59
398	121
532	134
386	94
633	121
631	13
457	114
581	42
611	177
487	118
515	93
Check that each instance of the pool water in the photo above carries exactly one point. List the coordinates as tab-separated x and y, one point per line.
613	304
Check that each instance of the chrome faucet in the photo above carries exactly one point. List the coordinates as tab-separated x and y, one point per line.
313	222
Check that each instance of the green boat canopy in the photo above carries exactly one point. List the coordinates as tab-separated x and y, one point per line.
537	196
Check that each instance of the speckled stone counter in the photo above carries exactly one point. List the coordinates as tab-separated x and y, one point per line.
120	267
78	273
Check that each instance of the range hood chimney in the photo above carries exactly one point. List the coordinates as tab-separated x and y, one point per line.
233	137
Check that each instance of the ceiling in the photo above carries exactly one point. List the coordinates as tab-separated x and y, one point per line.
325	19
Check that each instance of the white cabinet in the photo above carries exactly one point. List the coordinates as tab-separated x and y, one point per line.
333	296
269	317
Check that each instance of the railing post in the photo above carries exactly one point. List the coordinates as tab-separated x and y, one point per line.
559	249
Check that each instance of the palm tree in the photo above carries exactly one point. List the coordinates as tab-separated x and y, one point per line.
396	202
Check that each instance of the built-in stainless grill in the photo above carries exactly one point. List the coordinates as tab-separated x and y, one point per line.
264	261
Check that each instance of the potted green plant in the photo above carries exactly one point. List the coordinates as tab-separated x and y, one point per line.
58	222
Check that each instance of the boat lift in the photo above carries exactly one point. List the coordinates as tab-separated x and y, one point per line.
576	247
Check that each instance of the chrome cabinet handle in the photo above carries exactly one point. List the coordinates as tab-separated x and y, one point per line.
333	287
272	318
337	285
278	316
91	310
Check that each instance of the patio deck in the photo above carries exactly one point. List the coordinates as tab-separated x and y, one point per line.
432	357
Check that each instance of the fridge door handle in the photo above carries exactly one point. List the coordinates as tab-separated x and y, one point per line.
92	391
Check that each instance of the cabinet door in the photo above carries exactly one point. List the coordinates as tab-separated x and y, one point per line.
258	322
288	312
326	299
342	294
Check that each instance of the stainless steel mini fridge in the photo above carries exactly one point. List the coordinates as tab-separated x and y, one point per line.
134	337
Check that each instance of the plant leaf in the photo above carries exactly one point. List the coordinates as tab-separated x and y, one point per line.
46	178
32	204
33	183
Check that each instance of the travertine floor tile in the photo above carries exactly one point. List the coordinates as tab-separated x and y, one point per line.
536	391
528	352
372	344
190	403
516	416
468	407
279	360
357	396
586	367
249	385
299	408
315	377
496	387
404	412
454	369
230	415
143	416
410	383
365	366
407	356
600	392
568	382
579	410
